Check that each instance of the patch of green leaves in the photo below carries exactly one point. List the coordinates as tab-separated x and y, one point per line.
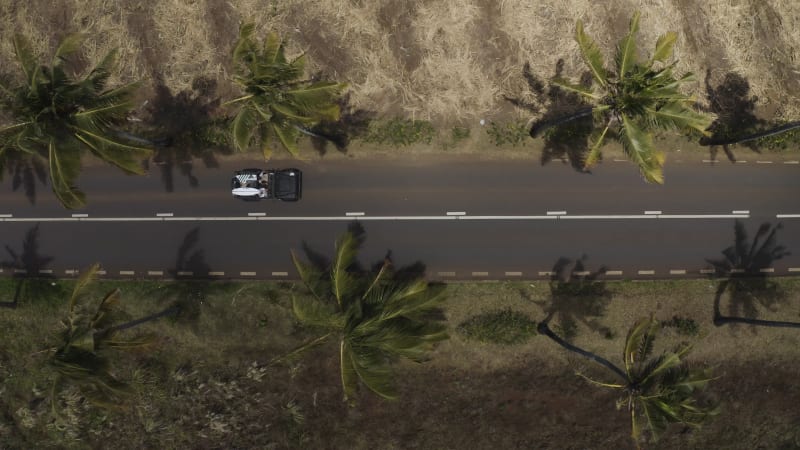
398	132
513	133
504	327
684	327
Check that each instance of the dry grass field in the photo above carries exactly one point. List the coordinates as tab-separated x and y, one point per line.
448	61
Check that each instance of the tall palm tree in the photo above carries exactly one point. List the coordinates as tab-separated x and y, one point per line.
657	391
56	117
276	100
632	99
89	337
376	318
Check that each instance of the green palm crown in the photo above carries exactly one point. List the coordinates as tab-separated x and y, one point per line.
56	117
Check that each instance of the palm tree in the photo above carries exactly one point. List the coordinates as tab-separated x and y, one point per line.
55	117
634	98
89	337
376	319
657	390
276	101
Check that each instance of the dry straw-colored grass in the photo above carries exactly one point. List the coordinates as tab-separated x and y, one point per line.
447	61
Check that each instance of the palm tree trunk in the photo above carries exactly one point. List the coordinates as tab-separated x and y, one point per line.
726	141
167	312
539	128
543	328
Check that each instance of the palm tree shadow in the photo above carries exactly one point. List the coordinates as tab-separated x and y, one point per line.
352	124
29	266
26	172
577	296
188	127
744	268
735	110
566	122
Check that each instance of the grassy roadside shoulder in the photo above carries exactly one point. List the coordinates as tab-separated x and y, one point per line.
208	381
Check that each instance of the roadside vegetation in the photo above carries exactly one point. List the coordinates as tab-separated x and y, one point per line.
209	377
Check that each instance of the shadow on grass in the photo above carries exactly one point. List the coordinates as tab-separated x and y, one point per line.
28	267
745	279
353	123
577	296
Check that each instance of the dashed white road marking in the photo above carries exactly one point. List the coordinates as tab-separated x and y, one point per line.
652	212
707	271
556	213
446	274
743	211
456	213
546	274
164	214
155	272
677	272
257	214
740	162
763	162
513	274
216	274
794	269
20	271
767	270
280	274
80	215
6	215
582	273
46	271
354	214
620	160
71	272
480	274
185	273
613	272
791	162
127	272
734	270
647	272
101	272
788	216
247	274
709	160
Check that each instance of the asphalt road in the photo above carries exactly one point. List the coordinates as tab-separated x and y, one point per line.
461	218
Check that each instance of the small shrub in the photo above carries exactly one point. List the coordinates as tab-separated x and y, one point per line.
399	132
513	133
505	327
684	327
459	134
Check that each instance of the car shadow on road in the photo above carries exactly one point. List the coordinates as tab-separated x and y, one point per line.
744	275
34	281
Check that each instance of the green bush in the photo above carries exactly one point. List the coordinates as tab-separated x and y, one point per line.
685	327
513	133
459	134
399	132
505	327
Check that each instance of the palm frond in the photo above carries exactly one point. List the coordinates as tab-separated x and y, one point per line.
627	54
287	135
25	56
632	342
266	148
313	312
591	55
243	127
69	45
371	368
63	171
273	49
674	115
126	157
342	282
310	98
664	46
597	143
639	147
347	370
576	88
244	47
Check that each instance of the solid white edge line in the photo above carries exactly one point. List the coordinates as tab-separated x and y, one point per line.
354	214
456	213
506	217
611	216
163	214
704	216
